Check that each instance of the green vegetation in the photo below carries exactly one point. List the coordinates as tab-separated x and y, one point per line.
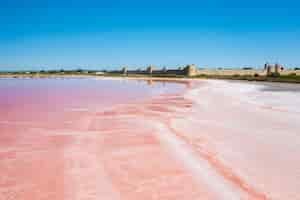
48	73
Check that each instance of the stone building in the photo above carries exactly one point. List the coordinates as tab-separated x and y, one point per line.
191	70
273	70
124	70
150	69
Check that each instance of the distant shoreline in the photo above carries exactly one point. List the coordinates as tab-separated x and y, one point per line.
283	78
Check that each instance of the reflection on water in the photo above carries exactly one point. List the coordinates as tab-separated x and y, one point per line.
58	137
281	87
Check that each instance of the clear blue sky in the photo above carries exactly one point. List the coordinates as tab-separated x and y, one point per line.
36	34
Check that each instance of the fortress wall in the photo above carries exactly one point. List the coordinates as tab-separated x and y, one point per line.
191	70
230	72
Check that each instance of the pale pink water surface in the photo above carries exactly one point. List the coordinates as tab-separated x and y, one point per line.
88	139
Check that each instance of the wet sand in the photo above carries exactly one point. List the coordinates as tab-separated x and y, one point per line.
201	139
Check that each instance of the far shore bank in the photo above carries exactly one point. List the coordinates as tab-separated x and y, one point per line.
292	78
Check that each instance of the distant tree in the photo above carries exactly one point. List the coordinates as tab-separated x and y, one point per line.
164	69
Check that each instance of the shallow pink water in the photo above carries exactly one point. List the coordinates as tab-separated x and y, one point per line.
117	139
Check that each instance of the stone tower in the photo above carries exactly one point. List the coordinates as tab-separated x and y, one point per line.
266	66
150	69
269	70
273	70
277	69
124	70
190	70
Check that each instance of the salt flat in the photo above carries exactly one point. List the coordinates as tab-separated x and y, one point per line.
132	139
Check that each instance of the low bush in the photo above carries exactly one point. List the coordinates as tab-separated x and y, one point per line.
292	74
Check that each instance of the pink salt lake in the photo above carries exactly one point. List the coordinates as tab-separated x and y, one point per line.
88	139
